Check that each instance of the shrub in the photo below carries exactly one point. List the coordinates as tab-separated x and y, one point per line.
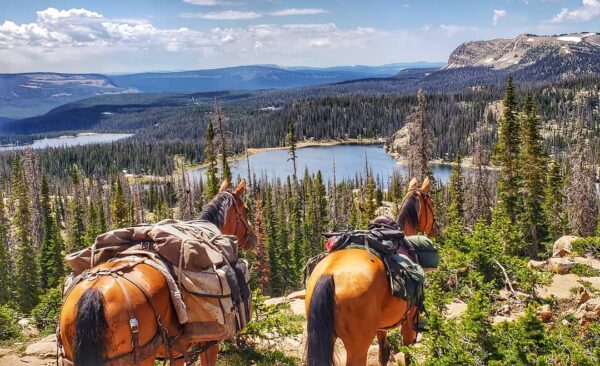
46	313
587	246
269	324
9	329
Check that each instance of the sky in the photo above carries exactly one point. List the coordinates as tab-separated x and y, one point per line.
109	36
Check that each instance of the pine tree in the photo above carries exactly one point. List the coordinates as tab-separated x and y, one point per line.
118	206
5	257
295	240
533	173
45	255
57	252
261	266
93	227
291	141
212	182
26	266
76	226
554	202
220	119
508	153
456	192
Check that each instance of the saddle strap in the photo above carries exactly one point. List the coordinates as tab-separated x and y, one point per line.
139	353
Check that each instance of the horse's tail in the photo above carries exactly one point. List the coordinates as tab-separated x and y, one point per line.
321	323
90	328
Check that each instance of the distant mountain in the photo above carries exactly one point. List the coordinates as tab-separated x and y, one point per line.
239	78
528	58
26	95
530	50
32	94
383	70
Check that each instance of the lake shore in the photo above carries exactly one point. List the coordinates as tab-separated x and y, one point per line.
316	143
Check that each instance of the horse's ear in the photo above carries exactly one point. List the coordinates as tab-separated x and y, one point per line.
224	185
414	183
426	185
241	187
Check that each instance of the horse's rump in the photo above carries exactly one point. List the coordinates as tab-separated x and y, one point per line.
208	284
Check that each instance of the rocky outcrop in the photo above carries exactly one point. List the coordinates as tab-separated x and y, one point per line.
564	245
589	312
526	50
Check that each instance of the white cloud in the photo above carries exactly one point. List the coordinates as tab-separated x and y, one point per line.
208	2
497	15
589	10
223	15
295	11
79	40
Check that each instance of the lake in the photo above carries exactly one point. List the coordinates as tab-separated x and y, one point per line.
349	161
65	141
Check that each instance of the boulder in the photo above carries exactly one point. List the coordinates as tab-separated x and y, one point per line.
560	265
25	322
545	313
298	307
455	309
41	349
582	296
276	301
589	312
590	262
564	245
297	295
537	265
30	331
14	360
559	287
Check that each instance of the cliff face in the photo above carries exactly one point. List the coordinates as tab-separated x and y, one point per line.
526	50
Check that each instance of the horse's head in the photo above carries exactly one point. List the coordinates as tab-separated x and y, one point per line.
230	214
416	210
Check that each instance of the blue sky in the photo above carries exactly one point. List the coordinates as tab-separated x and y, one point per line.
145	35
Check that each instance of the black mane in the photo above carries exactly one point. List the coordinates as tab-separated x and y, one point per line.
409	211
216	210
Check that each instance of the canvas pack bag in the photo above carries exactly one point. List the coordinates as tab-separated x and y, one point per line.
213	282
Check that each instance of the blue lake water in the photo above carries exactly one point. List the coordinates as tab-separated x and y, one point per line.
349	161
64	141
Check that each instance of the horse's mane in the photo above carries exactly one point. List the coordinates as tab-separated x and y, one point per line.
216	210
409	211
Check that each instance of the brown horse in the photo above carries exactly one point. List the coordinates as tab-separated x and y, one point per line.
348	295
128	320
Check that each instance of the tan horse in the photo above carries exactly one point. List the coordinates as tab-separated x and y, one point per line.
348	295
96	326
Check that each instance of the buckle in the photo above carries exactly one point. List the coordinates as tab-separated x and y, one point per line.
134	325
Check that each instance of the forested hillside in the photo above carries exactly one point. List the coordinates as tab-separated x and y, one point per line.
487	229
168	124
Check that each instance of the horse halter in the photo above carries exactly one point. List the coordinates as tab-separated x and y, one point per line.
240	219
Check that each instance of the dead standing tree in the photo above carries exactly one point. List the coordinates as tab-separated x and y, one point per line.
420	141
581	195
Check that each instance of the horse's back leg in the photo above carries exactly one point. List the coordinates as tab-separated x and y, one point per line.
384	347
357	349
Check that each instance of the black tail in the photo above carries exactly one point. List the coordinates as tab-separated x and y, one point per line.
320	340
90	328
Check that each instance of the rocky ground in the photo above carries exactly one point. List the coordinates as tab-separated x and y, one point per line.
577	295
